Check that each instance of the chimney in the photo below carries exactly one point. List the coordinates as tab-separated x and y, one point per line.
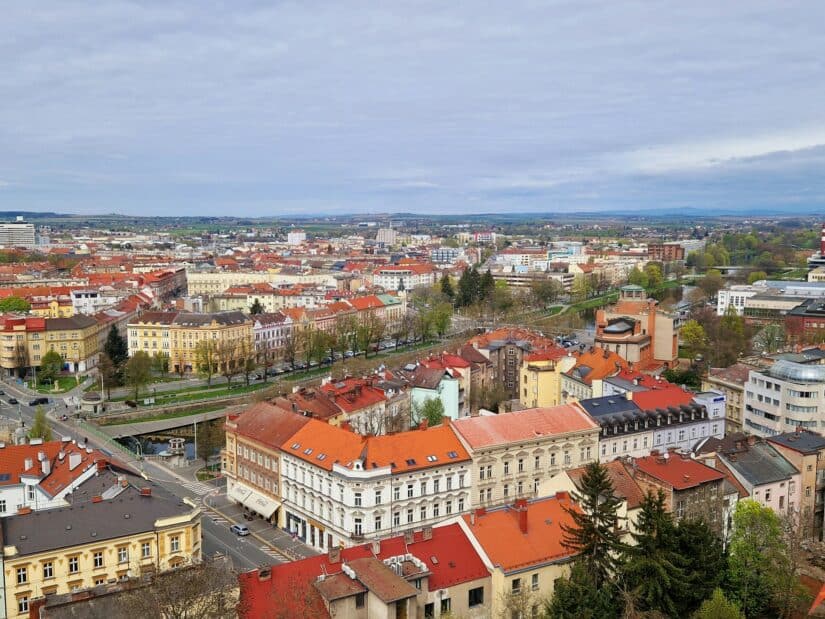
376	546
428	533
408	537
27	464
334	555
97	499
628	395
101	465
23	510
147	491
74	460
424	423
521	508
45	467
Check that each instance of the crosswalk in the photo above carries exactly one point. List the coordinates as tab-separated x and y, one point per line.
268	550
197	487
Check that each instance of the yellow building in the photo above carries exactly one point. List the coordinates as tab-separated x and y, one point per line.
179	333
60	307
25	339
128	534
541	379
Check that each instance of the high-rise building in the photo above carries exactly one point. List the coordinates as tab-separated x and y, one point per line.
17	234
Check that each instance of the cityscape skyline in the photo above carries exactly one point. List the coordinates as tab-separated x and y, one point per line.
259	110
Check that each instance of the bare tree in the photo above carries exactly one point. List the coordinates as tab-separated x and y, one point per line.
521	603
208	590
227	358
246	358
206	359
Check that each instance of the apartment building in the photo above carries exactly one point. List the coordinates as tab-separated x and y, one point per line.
271	331
784	397
212	282
340	488
435	572
179	333
404	276
522	546
540	384
730	382
515	454
585	379
806	451
17	234
26	339
251	458
122	530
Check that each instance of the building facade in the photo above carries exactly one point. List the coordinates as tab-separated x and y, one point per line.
785	397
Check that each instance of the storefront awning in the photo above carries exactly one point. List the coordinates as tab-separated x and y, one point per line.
239	493
260	504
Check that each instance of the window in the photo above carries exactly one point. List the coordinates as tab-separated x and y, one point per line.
23	604
48	570
521	465
781	503
358	529
97	559
534	582
449	507
515	586
461	504
537	462
30	492
99	581
396	493
680	509
146	550
767	495
445	606
3	506
378	523
22	575
436	510
396	519
449	483
507	468
423	512
423	488
357	499
359	600
553	459
475	597
566	457
73	565
409	515
506	490
174	543
410	491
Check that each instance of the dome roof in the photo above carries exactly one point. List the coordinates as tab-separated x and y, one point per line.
797	372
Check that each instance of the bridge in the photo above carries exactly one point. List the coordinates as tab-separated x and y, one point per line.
138	427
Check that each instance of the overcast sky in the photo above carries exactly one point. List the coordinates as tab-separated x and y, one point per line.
267	108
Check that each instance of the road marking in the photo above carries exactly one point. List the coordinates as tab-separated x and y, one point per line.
197	487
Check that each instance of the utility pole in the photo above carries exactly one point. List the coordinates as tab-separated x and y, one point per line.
195	424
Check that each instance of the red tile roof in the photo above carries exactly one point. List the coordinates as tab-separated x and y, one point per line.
353	394
266	423
678	472
528	424
13	464
449	556
662	397
624	486
500	536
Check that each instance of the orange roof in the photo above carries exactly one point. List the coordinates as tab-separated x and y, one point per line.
14	458
324	445
352	395
529	424
365	303
624	486
661	397
511	546
601	363
678	472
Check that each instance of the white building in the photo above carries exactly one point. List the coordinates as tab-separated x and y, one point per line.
341	488
738	295
271	332
404	277
785	397
386	236
17	234
91	301
296	237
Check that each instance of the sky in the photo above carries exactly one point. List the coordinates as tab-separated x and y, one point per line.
324	107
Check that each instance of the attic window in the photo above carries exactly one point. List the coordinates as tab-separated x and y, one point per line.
296	445
5	476
432	458
308	450
322	456
452	454
410	461
393	465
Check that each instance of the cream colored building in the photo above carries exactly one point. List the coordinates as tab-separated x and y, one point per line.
128	534
24	340
540	382
514	454
179	333
216	282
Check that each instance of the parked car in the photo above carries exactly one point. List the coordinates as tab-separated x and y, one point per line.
12	400
248	516
38	401
239	529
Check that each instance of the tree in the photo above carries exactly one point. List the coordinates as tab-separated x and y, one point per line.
655	278
718	607
160	363
431	410
256	307
40	426
116	347
441	316
226	355
488	397
762	571
486	284
637	277
581	287
755	276
711	283
546	291
694	338
108	373
595	532
447	287
731	341
652	572
703	561
211	438
247	359
206	590
577	597
14	304
770	339
50	366
206	359
138	371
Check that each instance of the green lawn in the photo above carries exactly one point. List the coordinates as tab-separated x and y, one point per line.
64	384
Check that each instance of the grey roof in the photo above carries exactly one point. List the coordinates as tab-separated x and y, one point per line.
620	326
623	383
810	355
804	441
609	405
496	344
222	318
75	322
128	513
797	372
760	464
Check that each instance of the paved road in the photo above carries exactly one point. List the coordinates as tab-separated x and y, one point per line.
246	554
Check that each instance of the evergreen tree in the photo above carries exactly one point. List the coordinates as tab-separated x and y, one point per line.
40	427
256	307
447	287
486	285
718	607
652	572
475	285
116	347
577	597
594	534
703	562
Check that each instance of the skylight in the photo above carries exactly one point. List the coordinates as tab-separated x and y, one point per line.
432	458
296	445
410	461
452	454
308	450
322	456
